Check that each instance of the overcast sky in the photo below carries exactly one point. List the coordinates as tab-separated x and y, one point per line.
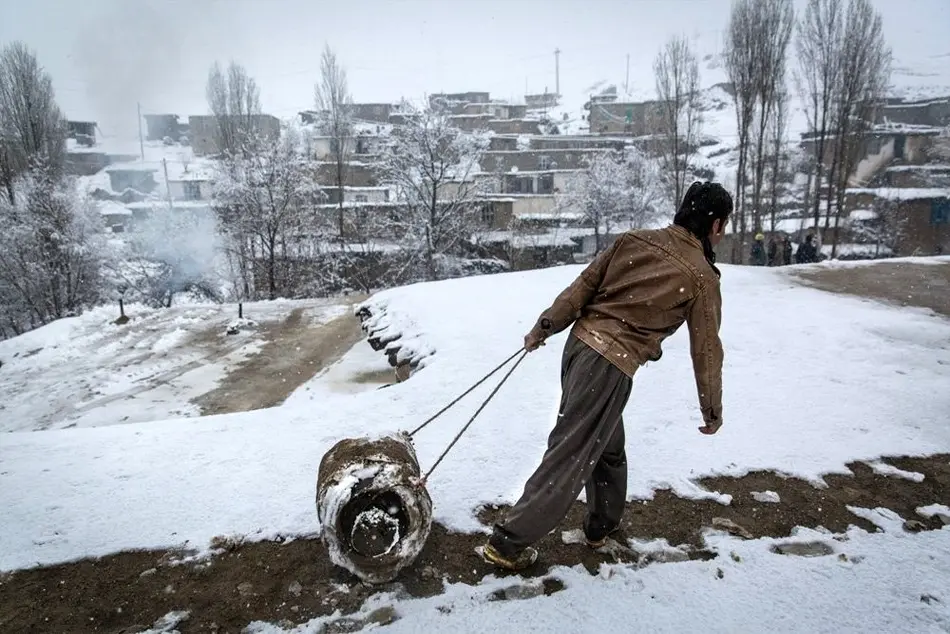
107	55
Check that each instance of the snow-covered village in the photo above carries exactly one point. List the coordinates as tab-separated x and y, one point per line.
474	316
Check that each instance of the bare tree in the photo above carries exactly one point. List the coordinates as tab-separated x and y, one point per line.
676	71
235	103
32	127
740	62
772	25
778	126
334	105
817	42
430	165
865	68
265	203
617	192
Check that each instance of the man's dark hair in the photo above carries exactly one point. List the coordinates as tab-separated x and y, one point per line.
704	204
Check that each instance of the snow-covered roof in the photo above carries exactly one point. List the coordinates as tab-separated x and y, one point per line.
555	238
163	204
514	196
112	208
919	168
863	214
531	172
563	215
131	167
902	193
199	172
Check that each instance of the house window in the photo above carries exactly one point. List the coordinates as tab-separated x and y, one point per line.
546	184
940	211
332	195
361	198
487	215
544	163
522	185
192	190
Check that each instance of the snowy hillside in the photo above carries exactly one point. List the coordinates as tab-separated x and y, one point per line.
827	381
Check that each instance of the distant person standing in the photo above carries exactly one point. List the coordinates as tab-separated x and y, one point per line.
786	251
807	251
774	254
758	256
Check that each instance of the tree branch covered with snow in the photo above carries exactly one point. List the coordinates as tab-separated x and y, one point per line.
50	251
430	165
865	61
32	127
617	192
265	202
334	105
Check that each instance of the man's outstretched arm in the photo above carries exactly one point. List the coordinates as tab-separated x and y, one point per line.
567	306
703	319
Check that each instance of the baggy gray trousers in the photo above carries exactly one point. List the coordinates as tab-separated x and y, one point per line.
585	449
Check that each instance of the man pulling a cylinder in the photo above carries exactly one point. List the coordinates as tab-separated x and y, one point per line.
624	304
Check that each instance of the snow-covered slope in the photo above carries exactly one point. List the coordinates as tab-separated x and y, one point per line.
812	381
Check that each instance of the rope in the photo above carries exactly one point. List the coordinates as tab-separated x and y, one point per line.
464	394
523	354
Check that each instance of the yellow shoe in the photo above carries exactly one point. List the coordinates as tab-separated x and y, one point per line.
522	560
600	543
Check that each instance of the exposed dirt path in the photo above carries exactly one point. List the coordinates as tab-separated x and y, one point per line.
295	351
292	582
901	283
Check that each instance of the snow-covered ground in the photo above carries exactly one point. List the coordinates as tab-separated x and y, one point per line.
883	582
812	381
87	371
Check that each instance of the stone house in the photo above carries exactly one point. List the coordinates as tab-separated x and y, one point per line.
528	182
82	132
356	174
370	195
919	217
926	112
190	186
881	147
160	126
323	148
473	122
916	176
447	100
542	100
512	142
538	160
372	112
82	162
203	132
624	118
136	177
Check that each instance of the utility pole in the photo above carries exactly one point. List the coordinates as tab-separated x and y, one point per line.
168	189
557	72
141	143
626	82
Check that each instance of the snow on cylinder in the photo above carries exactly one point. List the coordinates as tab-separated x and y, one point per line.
375	516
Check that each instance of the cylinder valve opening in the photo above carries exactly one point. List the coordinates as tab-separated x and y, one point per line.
372	523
